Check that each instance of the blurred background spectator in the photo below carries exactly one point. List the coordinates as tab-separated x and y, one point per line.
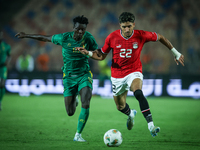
25	62
177	20
43	62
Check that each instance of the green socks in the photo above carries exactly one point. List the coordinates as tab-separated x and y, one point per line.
82	119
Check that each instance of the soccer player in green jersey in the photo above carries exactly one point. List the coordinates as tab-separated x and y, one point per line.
77	77
4	58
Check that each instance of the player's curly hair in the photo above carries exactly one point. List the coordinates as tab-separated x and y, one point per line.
81	20
126	16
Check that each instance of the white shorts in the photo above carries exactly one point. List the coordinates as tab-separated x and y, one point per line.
120	85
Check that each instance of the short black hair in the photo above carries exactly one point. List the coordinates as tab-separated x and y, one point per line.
81	20
126	16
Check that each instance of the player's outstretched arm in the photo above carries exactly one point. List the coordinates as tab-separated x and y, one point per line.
178	56
97	54
44	38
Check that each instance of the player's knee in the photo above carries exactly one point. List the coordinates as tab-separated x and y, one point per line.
138	95
69	112
86	104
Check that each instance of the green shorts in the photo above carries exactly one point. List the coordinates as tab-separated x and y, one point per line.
74	83
3	73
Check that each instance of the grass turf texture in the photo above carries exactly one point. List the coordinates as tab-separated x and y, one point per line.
40	122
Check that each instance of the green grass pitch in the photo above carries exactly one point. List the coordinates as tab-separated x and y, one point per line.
41	123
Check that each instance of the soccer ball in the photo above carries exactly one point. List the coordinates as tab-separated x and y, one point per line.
113	138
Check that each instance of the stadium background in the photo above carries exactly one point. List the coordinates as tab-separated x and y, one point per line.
40	122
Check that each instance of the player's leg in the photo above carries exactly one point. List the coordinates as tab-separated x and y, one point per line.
85	91
123	107
70	93
136	87
2	90
70	104
120	89
120	101
86	94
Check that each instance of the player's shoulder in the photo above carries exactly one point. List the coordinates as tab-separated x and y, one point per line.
139	32
88	35
67	34
114	34
62	34
142	32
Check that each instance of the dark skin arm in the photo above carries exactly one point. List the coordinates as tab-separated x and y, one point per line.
165	41
97	54
44	38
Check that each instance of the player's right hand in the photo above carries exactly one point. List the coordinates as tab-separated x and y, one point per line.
20	35
181	60
82	50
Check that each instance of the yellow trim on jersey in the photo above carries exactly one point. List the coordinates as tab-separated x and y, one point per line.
91	73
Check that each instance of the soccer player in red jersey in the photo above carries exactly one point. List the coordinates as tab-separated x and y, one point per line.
126	70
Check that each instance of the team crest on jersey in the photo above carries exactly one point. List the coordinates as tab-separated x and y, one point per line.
135	45
69	44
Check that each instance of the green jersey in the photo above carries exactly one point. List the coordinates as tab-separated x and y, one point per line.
74	61
4	52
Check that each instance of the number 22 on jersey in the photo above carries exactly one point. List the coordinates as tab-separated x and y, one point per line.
125	53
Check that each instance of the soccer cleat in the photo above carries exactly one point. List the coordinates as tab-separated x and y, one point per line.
77	101
154	130
130	121
78	138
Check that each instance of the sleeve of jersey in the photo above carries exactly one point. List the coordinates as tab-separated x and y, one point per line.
150	36
57	39
106	48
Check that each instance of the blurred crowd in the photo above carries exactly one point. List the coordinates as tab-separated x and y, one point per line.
177	20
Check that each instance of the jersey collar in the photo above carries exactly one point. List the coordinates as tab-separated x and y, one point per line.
124	37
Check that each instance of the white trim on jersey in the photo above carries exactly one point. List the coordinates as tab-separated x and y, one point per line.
105	53
124	37
157	36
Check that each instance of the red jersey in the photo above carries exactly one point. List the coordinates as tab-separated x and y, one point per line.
126	52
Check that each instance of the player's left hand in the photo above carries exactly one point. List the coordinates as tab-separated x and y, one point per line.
181	60
20	35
